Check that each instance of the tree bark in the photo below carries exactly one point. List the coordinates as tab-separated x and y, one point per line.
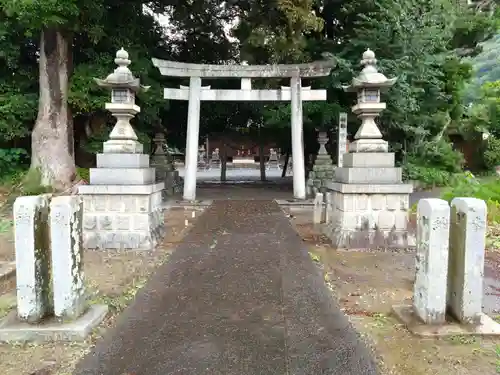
52	139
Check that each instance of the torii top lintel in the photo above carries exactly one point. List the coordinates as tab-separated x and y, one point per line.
178	69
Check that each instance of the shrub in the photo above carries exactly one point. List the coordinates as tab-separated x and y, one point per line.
437	154
428	176
488	190
491	155
32	184
84	173
12	161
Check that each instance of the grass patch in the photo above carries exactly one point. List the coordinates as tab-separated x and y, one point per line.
117	303
497	361
7	303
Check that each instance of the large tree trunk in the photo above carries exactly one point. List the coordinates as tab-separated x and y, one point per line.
52	152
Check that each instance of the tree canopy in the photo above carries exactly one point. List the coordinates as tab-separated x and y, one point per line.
52	50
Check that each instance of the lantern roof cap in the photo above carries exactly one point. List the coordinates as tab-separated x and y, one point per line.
369	77
122	77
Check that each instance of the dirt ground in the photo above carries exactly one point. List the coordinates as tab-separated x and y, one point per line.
367	284
113	278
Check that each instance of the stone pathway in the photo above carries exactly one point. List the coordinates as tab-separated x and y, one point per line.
241	296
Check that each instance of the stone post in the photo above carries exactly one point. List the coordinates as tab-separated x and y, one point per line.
318	208
299	172
341	138
433	229
329	206
49	246
370	202
31	220
123	202
66	217
466	259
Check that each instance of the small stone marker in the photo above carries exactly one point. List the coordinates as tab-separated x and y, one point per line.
66	214
433	228
318	208
32	257
342	139
466	259
329	206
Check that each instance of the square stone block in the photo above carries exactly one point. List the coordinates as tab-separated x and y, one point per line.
122	161
369	175
360	221
122	147
369	159
123	176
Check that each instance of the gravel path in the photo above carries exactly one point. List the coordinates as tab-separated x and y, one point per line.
240	295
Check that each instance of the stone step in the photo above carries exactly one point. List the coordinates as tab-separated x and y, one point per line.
122	176
377	175
121	161
369	159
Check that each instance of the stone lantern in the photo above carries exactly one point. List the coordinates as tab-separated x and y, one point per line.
122	204
322	169
123	86
367	201
368	85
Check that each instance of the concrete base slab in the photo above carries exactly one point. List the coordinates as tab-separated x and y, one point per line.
405	314
7	270
193	205
12	330
295	202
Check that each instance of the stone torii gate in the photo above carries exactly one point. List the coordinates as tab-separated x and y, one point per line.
195	93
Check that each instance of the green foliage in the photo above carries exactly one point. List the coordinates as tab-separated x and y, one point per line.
434	163
95	141
84	173
12	160
31	184
16	110
491	155
439	154
420	42
487	190
428	176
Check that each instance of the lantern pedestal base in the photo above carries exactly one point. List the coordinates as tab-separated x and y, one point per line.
368	216
368	205
369	145
122	205
122	217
